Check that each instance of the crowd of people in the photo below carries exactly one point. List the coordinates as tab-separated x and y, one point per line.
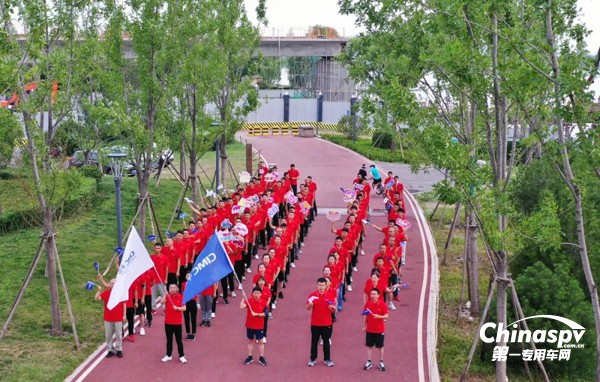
264	225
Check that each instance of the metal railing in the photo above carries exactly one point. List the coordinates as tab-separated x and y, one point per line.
303	32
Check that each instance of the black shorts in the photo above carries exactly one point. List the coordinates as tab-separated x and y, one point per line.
281	276
375	339
377	181
140	307
257	334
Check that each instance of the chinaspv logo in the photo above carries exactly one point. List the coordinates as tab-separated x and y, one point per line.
550	345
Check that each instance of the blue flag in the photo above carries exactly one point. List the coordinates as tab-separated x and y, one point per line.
366	312
96	266
89	285
211	266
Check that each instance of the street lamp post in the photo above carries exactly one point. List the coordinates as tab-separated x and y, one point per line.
117	164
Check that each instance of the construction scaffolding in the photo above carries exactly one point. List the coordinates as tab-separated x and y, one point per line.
309	76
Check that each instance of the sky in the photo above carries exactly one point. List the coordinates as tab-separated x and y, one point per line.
298	15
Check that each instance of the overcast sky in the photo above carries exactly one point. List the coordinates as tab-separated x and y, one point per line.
284	15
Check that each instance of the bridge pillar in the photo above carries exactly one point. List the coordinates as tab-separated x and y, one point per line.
286	107
320	107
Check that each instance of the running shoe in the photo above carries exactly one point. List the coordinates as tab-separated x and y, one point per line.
381	366
182	359
312	362
368	365
248	360
328	363
262	361
142	332
166	358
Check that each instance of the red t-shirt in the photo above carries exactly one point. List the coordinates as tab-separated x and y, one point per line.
293	173
115	314
160	263
148	278
257	306
172	316
268	279
171	257
376	325
381	286
210	291
321	314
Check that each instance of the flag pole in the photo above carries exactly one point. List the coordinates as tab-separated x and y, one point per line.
233	270
161	281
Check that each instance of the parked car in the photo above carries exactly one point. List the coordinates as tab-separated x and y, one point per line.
79	159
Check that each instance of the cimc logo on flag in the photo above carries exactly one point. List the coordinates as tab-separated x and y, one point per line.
565	339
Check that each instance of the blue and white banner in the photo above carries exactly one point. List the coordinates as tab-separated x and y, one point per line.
211	266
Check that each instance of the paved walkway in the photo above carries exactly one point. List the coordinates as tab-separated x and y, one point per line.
218	352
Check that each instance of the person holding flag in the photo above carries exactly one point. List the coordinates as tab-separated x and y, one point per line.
375	312
113	320
134	262
255	324
174	308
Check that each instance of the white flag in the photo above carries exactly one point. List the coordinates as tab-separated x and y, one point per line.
134	262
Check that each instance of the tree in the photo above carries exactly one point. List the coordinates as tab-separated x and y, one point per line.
481	68
237	40
48	67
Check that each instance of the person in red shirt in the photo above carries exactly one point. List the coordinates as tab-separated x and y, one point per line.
263	169
312	189
206	304
173	262
255	313
375	312
174	308
130	308
113	321
321	322
266	297
160	272
377	282
148	282
294	176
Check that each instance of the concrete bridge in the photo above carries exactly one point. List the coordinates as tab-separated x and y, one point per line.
272	46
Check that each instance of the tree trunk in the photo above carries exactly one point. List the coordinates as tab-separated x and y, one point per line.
51	268
473	260
182	161
48	216
499	177
574	187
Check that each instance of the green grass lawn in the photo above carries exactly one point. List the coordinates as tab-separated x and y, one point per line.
455	339
28	353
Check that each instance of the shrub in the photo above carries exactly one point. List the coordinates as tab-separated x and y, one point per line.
28	216
363	146
382	139
93	172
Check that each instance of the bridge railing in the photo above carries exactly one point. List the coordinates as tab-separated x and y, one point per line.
303	32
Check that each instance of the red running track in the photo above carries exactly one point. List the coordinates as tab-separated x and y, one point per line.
219	351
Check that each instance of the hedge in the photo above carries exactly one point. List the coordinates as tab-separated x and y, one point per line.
365	147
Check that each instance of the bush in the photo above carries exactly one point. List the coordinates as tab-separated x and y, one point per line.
382	139
363	147
7	174
28	216
93	172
